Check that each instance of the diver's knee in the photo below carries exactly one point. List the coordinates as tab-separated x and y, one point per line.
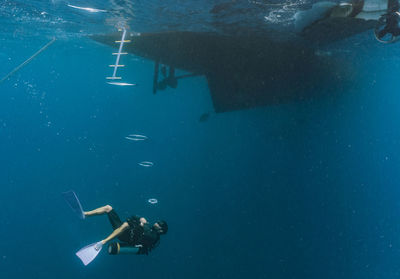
108	208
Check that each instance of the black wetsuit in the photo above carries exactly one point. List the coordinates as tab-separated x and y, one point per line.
136	234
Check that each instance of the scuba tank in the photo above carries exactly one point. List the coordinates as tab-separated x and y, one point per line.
117	248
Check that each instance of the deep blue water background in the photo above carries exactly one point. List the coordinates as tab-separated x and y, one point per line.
300	190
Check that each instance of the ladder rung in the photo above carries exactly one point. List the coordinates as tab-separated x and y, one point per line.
121	53
116	66
121	83
113	77
126	41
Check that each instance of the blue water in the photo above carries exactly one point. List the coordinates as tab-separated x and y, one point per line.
299	190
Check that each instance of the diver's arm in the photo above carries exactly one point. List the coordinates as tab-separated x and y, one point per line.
116	232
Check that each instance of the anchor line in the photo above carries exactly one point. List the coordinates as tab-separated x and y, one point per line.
27	61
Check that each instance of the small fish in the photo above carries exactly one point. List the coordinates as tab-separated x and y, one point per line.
146	164
135	137
91	10
152	201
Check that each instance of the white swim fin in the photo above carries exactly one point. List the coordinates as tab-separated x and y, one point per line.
72	199
88	253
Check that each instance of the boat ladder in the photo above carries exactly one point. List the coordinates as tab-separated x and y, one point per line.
114	79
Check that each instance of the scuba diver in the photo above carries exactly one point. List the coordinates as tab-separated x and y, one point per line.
136	235
135	232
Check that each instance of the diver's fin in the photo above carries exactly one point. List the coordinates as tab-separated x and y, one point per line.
88	253
73	201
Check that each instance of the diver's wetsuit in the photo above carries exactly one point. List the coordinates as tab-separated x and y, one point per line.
136	234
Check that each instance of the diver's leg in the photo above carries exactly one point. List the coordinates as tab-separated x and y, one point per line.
99	211
114	219
116	223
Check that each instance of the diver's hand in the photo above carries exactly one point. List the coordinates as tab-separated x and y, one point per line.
142	221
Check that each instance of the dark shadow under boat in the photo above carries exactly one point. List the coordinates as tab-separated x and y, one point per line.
242	71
